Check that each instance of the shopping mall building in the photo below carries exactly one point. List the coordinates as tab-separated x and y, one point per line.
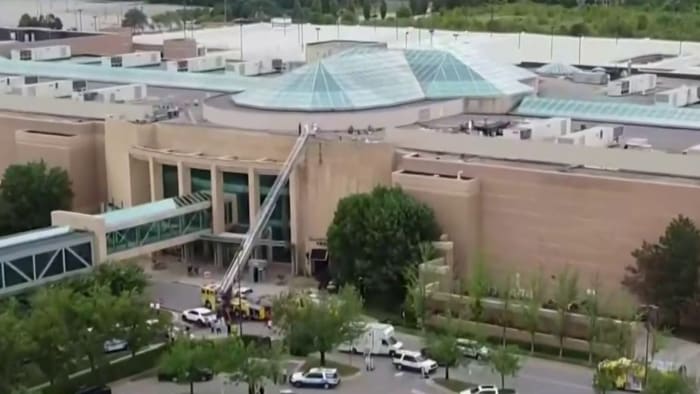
197	182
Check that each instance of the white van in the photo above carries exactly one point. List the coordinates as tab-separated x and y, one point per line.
378	338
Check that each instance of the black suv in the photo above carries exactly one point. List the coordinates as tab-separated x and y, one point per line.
199	375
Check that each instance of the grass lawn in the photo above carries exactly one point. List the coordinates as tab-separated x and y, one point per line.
343	369
453	384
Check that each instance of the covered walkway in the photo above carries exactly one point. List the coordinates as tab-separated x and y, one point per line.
41	256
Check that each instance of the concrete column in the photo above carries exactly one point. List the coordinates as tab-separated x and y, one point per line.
217	200
184	180
253	195
155	171
294	224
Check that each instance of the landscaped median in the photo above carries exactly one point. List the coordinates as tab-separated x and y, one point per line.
117	369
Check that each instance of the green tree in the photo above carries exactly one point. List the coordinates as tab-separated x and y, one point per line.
121	277
14	349
297	12
249	363
565	294
317	7
139	325
134	18
478	288
374	237
505	314
531	310
403	12
382	9
591	306
92	323
50	334
666	273
442	347
366	9
31	191
186	358
669	383
416	286
25	20
324	323
505	362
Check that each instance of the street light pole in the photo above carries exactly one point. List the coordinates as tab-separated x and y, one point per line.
651	312
241	38
225	11
317	30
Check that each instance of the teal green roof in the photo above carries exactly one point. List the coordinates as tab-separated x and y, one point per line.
364	80
606	111
442	75
225	83
366	77
119	217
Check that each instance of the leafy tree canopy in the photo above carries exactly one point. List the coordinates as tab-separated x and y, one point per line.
49	21
322	323
29	192
14	348
249	363
669	383
666	272
442	347
374	238
505	362
134	18
186	358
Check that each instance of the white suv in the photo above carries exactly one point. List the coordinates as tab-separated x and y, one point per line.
316	377
412	360
201	316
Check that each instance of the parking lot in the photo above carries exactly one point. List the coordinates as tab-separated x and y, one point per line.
384	376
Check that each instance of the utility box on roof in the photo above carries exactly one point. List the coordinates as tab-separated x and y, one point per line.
634	84
113	94
678	97
53	52
63	88
197	64
135	59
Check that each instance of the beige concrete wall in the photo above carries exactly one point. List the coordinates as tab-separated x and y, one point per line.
179	48
333	170
79	221
328	171
248	118
76	146
459	213
534	218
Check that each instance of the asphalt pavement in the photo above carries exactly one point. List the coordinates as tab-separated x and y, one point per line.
537	376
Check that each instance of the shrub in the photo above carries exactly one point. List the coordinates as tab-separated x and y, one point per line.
403	12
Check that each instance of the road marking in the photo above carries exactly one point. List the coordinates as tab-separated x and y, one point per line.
398	374
414	391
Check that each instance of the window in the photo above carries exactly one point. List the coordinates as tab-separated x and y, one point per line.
409	358
384	342
314	375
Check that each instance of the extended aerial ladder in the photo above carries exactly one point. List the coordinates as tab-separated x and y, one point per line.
225	287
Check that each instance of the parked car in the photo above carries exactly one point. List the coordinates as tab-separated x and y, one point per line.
198	375
115	345
316	377
414	361
94	390
482	389
473	349
201	316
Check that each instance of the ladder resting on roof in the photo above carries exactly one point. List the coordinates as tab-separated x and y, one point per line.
268	207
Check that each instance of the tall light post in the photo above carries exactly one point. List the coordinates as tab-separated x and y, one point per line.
432	33
406	41
225	11
652	312
241	37
80	18
317	30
